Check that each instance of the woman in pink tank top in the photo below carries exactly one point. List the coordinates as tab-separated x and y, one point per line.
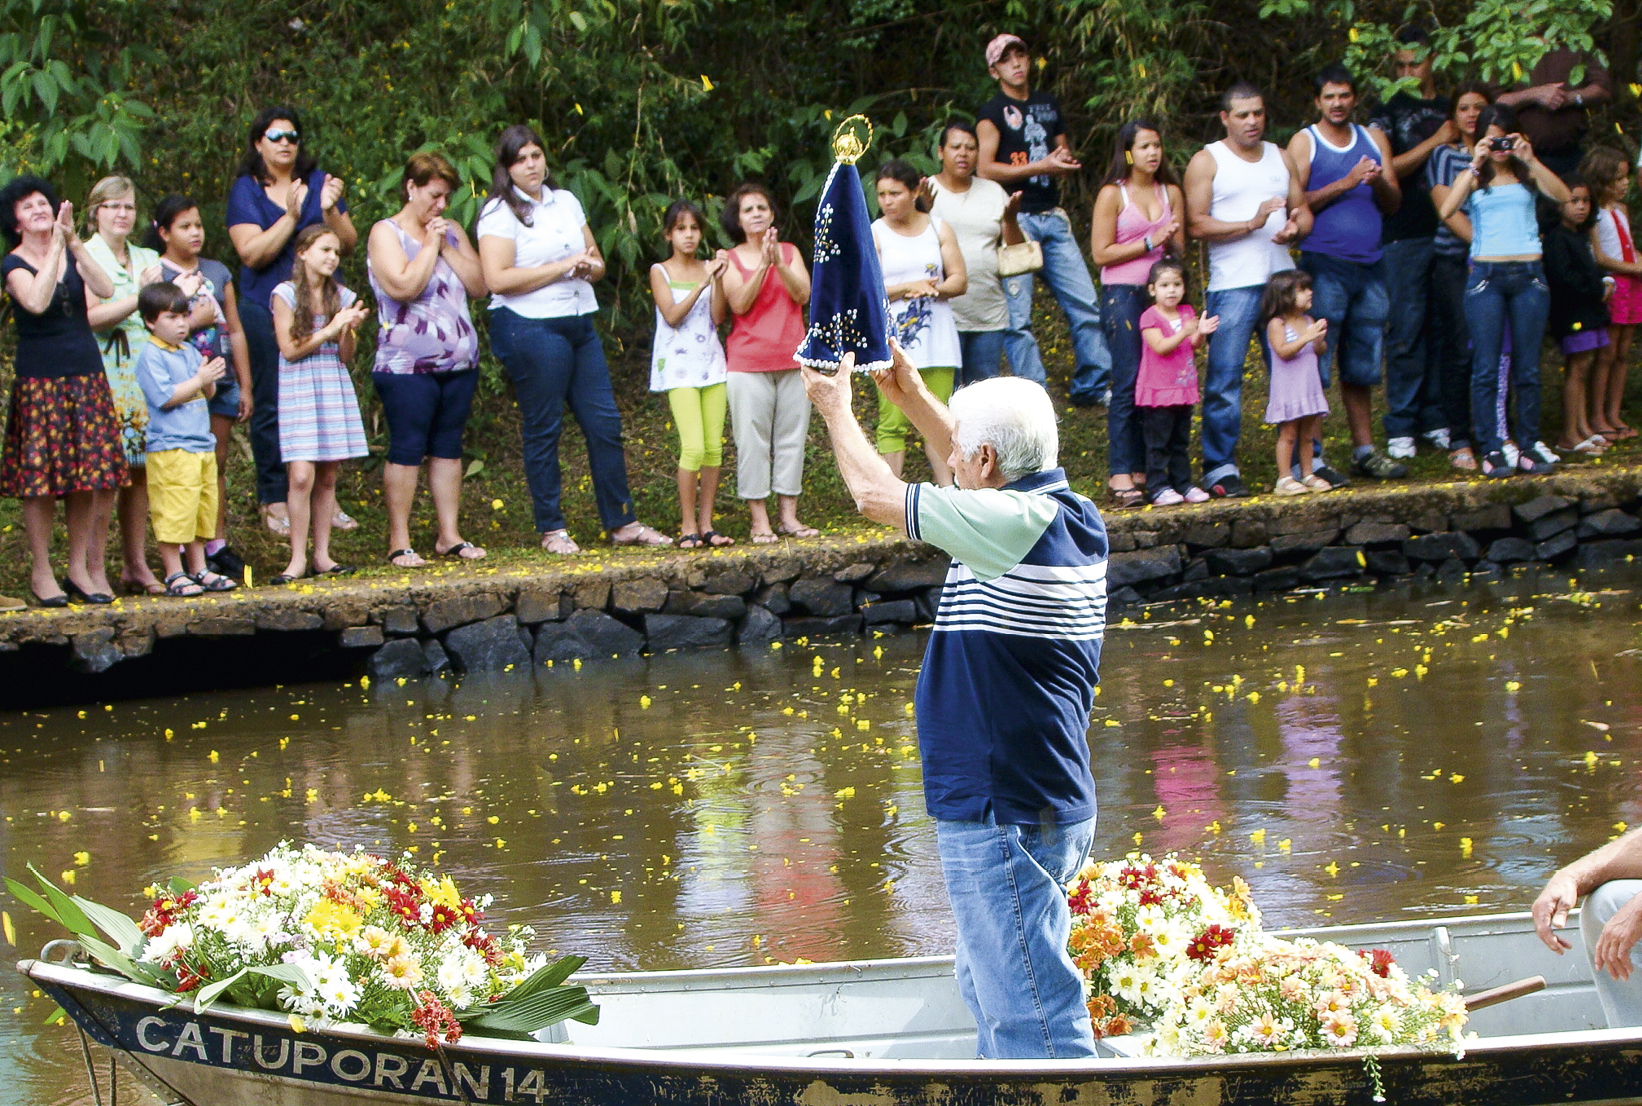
766	286
1138	218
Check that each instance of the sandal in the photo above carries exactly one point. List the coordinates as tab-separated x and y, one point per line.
340	520
1463	459
690	541
560	543
334	570
278	524
214	581
715	539
460	551
1123	498
393	558
177	586
799	531
282	578
643	536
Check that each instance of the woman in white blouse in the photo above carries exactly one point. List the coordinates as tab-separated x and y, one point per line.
539	262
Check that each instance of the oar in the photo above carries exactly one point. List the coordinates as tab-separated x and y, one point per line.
1505	993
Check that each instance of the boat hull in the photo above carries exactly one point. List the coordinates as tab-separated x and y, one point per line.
227	1056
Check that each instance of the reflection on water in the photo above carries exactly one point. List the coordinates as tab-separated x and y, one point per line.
1361	758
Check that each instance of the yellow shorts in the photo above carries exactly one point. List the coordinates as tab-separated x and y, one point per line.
182	495
894	426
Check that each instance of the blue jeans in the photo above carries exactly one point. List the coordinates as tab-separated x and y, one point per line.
1504	294
552	362
1007	888
1621	1001
258	323
1121	306
1018	341
1352	297
982	353
1413	348
1452	344
1239	311
1067	275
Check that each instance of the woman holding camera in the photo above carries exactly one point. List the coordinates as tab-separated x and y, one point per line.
1507	287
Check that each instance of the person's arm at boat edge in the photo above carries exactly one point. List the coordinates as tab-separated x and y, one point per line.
1620	858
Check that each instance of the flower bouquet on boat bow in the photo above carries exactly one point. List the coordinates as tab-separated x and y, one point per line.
331	937
1165	952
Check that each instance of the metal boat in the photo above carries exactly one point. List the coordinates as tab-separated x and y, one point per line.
865	1033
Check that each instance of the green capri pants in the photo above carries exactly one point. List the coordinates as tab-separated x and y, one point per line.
699	415
893	425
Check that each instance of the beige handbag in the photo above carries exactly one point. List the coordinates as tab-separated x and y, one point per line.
1022	257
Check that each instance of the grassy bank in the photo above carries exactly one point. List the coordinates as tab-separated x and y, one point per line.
496	504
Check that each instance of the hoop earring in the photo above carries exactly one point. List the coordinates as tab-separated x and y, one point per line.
1128	157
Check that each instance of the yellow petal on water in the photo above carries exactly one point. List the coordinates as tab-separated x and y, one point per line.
1285	844
68	875
1437	825
1456	778
644	702
81	859
7	928
1620	827
365	682
1253	696
493	819
1314	762
63	815
1465	847
1113	722
1158	813
212	756
615	897
1258	837
1590	760
169	735
1137	837
1333	869
1512	685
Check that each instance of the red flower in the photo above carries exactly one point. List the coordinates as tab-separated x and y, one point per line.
1379	962
165	911
1134	878
263	882
406	904
483	944
1203	947
443	918
1079	900
189	978
1150	897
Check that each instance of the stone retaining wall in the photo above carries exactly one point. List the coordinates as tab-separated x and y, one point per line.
491	619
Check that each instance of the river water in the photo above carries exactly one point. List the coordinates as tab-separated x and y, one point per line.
1355	758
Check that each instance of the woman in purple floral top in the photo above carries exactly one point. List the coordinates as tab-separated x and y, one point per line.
426	355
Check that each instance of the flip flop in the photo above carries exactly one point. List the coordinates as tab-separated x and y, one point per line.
798	531
1123	498
716	540
335	570
393	558
340	520
644	537
690	541
459	551
276	524
282	578
560	543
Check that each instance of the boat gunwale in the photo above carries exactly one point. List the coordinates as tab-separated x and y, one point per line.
696	1062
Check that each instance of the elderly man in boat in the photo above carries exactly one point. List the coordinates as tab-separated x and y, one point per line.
1611	923
1008	680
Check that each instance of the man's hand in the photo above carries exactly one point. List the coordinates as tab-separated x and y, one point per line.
1061	163
1289	233
1551	911
899	382
1364	171
830	394
1619	936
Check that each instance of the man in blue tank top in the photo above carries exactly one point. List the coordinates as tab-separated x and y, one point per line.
1342	168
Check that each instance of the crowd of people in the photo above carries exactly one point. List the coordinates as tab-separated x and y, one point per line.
1435	246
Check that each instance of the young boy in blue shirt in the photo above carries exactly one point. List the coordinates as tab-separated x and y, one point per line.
182	452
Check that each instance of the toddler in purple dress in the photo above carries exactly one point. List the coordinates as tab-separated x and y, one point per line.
1297	404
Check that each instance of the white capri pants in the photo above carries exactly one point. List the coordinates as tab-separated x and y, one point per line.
770	417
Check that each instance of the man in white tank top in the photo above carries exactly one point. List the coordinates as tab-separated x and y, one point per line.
1243	198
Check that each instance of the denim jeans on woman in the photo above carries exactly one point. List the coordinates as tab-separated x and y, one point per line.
1121	306
1007	888
1067	274
1503	294
552	362
257	320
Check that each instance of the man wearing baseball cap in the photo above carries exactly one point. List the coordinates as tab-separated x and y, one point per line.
1023	146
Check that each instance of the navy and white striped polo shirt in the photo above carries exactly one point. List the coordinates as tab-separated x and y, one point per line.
1009	677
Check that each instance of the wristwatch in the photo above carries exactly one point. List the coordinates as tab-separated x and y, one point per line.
1579	99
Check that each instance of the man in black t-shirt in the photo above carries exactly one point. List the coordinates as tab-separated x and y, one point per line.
1023	146
1416	125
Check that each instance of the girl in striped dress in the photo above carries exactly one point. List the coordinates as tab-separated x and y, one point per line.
319	425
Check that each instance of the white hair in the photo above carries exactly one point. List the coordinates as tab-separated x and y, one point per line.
1014	416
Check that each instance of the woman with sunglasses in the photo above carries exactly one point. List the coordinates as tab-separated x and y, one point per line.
279	192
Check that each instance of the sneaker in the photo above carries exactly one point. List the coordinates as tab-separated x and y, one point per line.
225	562
1377	466
1229	486
1317	483
1335	479
1168	497
1288	485
1537	459
1495	465
1195	494
1438	438
1400	448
